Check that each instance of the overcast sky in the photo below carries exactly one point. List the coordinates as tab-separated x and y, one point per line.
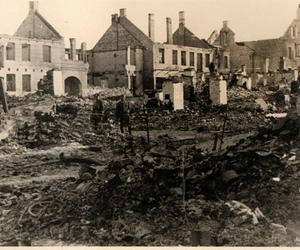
87	20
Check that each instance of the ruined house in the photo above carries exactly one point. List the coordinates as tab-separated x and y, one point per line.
262	56
36	54
184	55
126	57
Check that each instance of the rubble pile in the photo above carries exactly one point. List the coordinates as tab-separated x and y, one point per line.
253	162
59	129
146	194
129	192
126	203
30	99
238	120
243	99
242	112
68	108
44	131
11	146
107	92
67	122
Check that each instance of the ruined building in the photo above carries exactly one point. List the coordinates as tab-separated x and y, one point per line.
126	57
36	54
184	55
262	56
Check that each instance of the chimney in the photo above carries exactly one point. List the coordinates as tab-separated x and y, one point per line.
169	31
181	29
114	18
123	12
83	52
181	18
151	26
33	6
73	49
225	24
298	12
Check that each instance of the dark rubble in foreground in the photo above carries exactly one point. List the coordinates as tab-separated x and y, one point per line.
111	189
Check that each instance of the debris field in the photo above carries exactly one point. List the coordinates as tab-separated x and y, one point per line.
65	183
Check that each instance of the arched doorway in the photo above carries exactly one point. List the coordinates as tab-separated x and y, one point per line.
72	86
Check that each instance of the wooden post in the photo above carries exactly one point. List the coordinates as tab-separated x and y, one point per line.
195	238
205	238
200	238
216	138
223	132
147	126
3	96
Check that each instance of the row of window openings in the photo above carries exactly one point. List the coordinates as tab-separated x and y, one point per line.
26	52
25	70
11	83
183	58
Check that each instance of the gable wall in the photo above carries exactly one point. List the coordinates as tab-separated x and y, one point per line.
34	27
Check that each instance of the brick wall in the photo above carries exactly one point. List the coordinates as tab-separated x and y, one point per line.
121	34
116	38
273	49
109	61
109	68
108	41
35	26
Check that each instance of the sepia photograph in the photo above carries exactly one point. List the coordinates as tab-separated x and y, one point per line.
163	123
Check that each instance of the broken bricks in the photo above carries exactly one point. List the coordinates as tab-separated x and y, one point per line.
155	192
262	104
245	212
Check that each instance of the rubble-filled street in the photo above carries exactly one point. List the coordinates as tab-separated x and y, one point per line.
159	137
63	182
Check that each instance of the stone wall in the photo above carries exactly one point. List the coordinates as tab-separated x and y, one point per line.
218	91
176	93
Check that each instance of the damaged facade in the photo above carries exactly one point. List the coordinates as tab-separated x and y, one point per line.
261	56
184	55
126	57
35	55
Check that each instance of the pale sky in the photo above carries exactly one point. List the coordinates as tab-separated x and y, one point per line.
87	20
